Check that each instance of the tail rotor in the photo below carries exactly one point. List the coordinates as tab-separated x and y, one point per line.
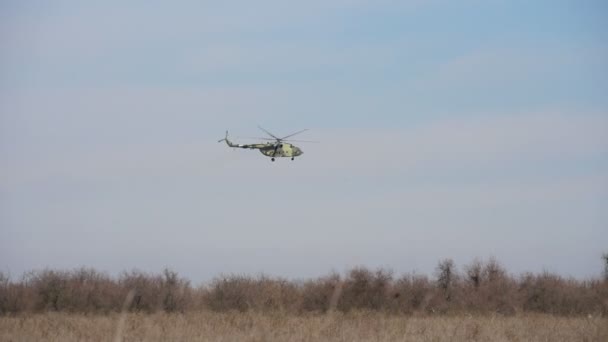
225	138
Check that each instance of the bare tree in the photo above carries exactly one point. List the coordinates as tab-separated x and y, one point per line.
493	270
605	258
446	277
474	273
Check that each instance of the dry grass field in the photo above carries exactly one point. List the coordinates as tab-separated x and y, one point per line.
251	326
481	303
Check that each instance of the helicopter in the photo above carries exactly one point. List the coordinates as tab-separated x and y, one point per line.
275	148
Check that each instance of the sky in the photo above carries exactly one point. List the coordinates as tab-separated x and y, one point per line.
448	129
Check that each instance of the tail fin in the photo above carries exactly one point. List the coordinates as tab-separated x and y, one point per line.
228	142
225	139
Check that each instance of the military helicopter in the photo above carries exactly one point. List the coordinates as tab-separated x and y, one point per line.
275	148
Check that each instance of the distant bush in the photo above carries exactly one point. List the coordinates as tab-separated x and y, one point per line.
411	293
243	293
322	294
365	289
482	287
150	293
550	293
488	288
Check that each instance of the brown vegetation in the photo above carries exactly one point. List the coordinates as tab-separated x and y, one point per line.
274	326
482	288
482	302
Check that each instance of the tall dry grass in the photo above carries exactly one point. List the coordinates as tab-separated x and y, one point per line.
274	326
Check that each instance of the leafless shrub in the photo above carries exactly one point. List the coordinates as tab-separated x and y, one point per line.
364	289
14	297
146	290
90	291
167	292
81	290
550	293
446	276
488	288
599	296
243	293
4	293
229	293
411	293
176	292
50	288
317	294
605	259
448	284
474	273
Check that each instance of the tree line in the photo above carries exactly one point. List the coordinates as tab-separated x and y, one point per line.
481	287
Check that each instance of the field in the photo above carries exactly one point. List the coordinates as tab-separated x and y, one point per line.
482	302
354	326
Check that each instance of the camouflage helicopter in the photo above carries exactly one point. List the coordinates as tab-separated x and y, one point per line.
275	148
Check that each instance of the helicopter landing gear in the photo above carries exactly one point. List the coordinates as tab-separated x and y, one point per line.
292	158
272	159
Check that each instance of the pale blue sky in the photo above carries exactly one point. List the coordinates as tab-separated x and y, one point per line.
449	129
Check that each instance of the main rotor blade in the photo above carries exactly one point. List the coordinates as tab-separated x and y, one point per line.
291	135
304	141
258	138
270	139
265	131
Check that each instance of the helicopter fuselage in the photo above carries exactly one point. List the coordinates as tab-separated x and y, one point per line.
281	150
